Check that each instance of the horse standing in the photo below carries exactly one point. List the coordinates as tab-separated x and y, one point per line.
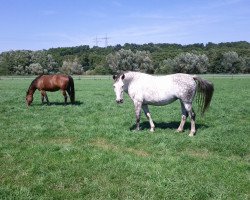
51	83
146	90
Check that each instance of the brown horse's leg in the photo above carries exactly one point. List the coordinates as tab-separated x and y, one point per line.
42	97
65	96
47	99
43	94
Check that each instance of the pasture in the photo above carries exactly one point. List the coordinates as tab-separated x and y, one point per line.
90	151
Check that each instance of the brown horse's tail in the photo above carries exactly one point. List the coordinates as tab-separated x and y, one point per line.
71	89
205	91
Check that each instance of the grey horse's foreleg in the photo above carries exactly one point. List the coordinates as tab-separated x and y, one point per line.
147	113
138	106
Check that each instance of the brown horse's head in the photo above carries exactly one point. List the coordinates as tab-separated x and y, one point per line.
29	99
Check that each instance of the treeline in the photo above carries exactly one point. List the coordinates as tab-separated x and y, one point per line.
231	57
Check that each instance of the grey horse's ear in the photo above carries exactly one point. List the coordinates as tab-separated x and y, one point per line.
123	76
114	77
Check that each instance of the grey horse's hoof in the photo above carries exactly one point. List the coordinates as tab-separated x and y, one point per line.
191	134
152	130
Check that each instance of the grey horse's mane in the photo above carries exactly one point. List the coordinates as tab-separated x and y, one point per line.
120	73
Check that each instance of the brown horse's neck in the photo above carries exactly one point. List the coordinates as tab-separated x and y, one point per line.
32	88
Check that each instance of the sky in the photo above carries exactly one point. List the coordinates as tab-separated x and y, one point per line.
44	24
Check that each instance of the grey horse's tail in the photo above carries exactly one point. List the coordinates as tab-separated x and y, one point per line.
205	90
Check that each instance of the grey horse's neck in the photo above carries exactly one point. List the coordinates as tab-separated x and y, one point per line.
129	78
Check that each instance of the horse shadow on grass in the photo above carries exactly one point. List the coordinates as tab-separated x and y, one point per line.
173	125
76	103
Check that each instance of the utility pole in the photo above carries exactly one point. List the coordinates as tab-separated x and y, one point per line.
97	40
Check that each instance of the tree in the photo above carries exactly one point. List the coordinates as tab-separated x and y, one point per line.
4	64
34	68
150	58
191	63
51	65
166	66
232	63
71	67
246	67
126	60
101	70
18	60
144	62
19	70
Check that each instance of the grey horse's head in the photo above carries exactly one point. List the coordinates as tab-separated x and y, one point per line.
118	87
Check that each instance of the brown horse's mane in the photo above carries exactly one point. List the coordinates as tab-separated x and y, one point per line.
34	82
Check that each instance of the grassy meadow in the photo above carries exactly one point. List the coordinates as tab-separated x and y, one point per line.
90	151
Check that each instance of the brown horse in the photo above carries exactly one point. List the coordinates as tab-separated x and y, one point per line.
51	83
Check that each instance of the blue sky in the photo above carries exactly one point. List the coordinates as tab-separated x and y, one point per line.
43	24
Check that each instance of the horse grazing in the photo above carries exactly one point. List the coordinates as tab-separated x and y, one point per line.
51	83
146	90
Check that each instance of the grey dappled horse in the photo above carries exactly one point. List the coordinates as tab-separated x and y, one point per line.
145	89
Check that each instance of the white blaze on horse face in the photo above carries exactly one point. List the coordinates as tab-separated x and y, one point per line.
118	88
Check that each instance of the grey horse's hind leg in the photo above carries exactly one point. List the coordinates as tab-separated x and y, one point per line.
147	113
189	109
183	117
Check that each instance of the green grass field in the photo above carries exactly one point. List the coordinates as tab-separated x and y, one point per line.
90	151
